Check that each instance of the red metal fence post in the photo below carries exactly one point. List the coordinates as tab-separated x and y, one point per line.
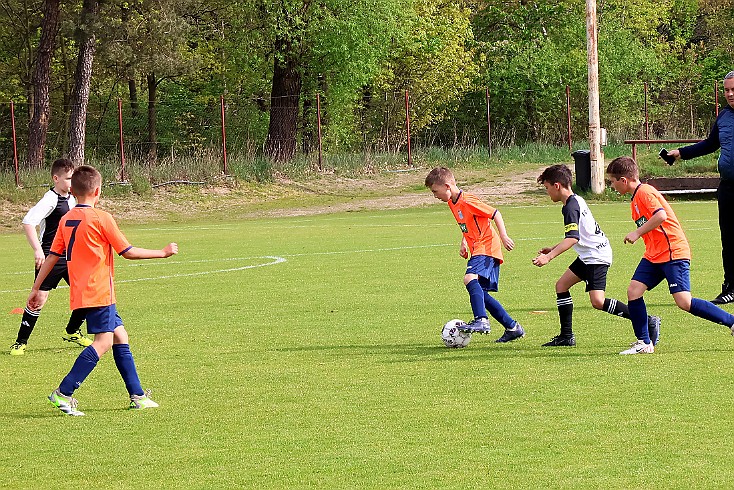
647	122
15	144
224	136
489	125
122	140
407	126
318	125
568	117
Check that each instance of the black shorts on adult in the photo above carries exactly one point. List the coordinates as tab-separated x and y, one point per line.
54	277
594	275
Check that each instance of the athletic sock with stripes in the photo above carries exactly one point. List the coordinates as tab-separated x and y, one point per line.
616	307
565	312
27	323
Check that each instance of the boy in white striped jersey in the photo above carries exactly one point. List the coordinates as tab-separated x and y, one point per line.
583	234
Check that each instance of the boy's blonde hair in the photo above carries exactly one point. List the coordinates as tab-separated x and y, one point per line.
84	180
439	175
623	167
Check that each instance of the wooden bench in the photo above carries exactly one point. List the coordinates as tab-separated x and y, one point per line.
684	185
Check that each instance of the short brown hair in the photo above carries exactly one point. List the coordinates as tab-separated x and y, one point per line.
560	174
623	167
61	165
439	175
84	180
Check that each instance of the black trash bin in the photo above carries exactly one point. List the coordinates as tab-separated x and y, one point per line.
582	169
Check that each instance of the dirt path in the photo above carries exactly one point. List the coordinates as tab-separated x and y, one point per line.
327	194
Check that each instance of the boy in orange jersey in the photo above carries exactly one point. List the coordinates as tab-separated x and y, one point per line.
667	255
481	245
86	238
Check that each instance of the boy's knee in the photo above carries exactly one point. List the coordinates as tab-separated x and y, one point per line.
599	305
469	278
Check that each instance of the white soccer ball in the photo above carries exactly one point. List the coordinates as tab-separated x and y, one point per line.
453	337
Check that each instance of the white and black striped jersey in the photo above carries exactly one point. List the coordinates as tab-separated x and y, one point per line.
46	214
593	246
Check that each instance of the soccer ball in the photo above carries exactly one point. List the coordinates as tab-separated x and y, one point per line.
453	337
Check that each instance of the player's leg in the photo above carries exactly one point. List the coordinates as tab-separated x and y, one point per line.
646	276
677	272
638	316
725	197
596	285
100	322
74	325
74	331
27	324
564	303
480	323
489	281
125	363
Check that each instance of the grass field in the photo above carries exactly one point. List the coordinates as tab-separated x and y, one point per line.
305	352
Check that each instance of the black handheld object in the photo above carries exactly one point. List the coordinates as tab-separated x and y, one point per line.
670	160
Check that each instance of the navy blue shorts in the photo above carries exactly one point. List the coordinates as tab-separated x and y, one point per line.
488	270
676	272
102	319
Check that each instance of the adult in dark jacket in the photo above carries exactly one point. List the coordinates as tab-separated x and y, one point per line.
721	136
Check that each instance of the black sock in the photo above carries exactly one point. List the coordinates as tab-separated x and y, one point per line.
27	323
615	307
565	312
75	321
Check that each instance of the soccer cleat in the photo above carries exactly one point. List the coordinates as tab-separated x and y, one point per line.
18	349
139	402
64	403
561	341
510	335
639	347
726	296
77	338
478	325
653	328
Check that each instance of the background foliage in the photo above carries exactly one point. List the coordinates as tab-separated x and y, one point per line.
361	57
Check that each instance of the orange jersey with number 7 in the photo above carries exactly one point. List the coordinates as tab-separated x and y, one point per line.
86	237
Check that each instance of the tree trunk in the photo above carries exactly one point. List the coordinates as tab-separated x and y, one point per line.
133	89
41	81
82	80
152	136
280	145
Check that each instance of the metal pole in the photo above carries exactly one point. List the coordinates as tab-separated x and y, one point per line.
716	96
647	120
318	125
15	144
407	126
224	136
568	116
122	140
597	157
489	127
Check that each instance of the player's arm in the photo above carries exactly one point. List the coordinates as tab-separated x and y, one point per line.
545	255
500	224
135	253
35	301
32	236
464	249
655	220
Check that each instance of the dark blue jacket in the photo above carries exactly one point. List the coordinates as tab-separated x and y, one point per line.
721	136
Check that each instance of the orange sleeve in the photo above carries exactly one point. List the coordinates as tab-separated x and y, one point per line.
114	236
